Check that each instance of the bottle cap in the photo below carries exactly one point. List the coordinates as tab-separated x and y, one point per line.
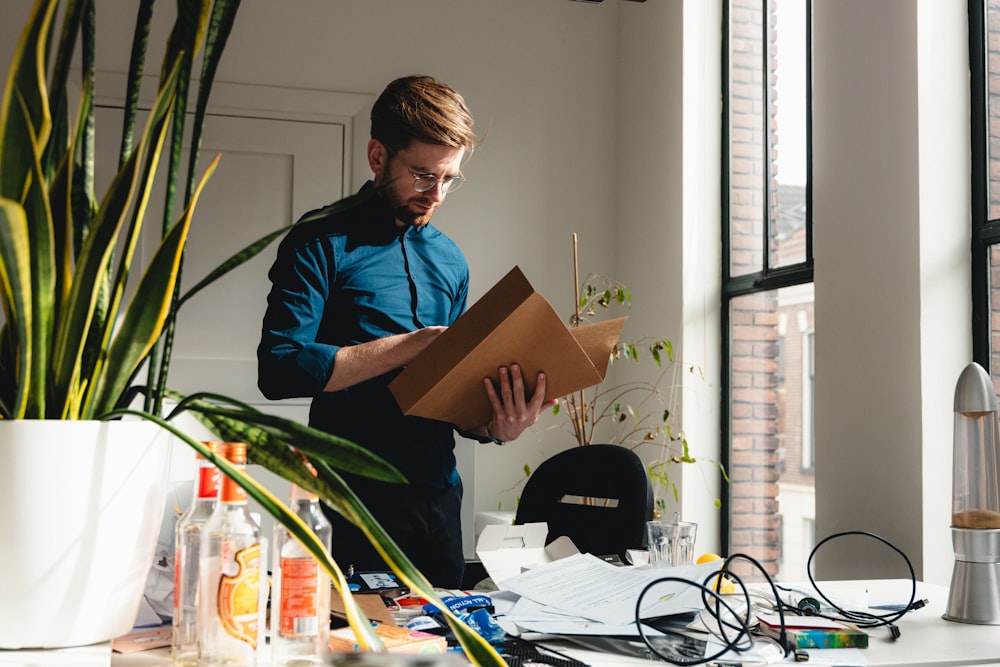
235	452
212	445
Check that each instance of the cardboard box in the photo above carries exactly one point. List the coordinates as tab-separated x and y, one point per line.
508	550
371	604
511	323
395	639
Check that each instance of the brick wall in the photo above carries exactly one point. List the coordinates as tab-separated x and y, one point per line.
754	318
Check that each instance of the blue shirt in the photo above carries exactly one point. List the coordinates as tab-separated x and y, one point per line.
348	278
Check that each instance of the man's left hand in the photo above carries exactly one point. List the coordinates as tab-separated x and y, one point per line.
513	412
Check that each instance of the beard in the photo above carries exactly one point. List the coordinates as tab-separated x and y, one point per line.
401	205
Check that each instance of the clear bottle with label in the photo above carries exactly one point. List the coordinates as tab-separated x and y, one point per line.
300	597
230	576
184	647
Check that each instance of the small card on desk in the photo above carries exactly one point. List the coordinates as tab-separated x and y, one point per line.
813	632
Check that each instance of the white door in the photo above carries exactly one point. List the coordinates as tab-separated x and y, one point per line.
271	172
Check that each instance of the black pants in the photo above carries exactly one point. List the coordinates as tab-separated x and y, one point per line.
425	522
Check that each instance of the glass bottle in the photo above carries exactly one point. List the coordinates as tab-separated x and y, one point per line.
300	600
230	576
184	647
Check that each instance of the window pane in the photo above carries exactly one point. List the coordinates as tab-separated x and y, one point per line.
787	240
747	146
993	103
995	314
772	466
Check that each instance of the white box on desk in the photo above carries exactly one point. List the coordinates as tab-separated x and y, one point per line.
507	550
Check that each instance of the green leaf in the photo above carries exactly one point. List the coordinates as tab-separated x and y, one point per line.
332	489
219	26
15	289
95	257
137	61
59	105
147	313
296	528
40	250
25	109
246	423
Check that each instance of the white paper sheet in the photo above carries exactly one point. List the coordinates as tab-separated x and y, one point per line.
586	586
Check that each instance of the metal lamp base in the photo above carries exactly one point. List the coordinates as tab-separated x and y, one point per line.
975	582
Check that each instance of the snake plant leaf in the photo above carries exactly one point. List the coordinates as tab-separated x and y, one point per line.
281	459
15	288
148	311
220	25
93	264
25	102
236	260
245	423
183	44
58	102
362	627
217	30
25	125
65	210
137	62
249	252
332	489
40	238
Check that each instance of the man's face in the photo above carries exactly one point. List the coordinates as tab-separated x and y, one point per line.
412	208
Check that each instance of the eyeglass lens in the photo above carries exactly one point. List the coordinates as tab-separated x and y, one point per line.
428	182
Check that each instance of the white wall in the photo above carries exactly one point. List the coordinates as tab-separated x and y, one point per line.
541	79
603	119
892	276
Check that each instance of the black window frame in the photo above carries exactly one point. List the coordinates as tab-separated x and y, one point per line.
768	278
985	232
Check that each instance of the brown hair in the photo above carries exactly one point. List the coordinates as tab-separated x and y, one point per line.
421	108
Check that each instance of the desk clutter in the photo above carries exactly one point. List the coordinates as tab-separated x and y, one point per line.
682	610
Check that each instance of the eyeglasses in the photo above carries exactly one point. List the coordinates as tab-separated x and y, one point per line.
427	182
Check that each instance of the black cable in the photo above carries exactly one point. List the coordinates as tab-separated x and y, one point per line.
725	571
744	630
865	619
859	618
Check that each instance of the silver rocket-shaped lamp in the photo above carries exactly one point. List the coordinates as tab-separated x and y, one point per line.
975	515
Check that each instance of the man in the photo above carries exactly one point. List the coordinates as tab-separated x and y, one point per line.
356	296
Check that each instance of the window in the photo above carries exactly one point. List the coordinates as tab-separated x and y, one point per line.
984	49
767	279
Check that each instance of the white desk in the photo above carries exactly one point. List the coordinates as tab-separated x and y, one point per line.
926	639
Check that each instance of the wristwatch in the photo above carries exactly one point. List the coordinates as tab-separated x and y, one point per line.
494	440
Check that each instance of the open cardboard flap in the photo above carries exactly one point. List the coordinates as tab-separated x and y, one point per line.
511	323
507	550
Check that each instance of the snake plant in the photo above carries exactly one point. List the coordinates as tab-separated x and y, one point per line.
71	347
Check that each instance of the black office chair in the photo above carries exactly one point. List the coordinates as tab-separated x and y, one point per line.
599	496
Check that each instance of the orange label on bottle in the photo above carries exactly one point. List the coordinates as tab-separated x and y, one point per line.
208	482
232	492
238	597
298	597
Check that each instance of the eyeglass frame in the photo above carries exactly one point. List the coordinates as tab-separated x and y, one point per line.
450	183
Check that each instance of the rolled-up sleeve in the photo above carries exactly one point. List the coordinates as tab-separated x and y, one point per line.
291	362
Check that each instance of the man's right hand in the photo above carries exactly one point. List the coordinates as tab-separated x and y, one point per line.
357	363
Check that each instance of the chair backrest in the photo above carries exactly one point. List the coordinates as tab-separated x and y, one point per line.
617	498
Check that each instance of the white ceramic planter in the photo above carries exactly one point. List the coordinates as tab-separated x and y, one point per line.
80	511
